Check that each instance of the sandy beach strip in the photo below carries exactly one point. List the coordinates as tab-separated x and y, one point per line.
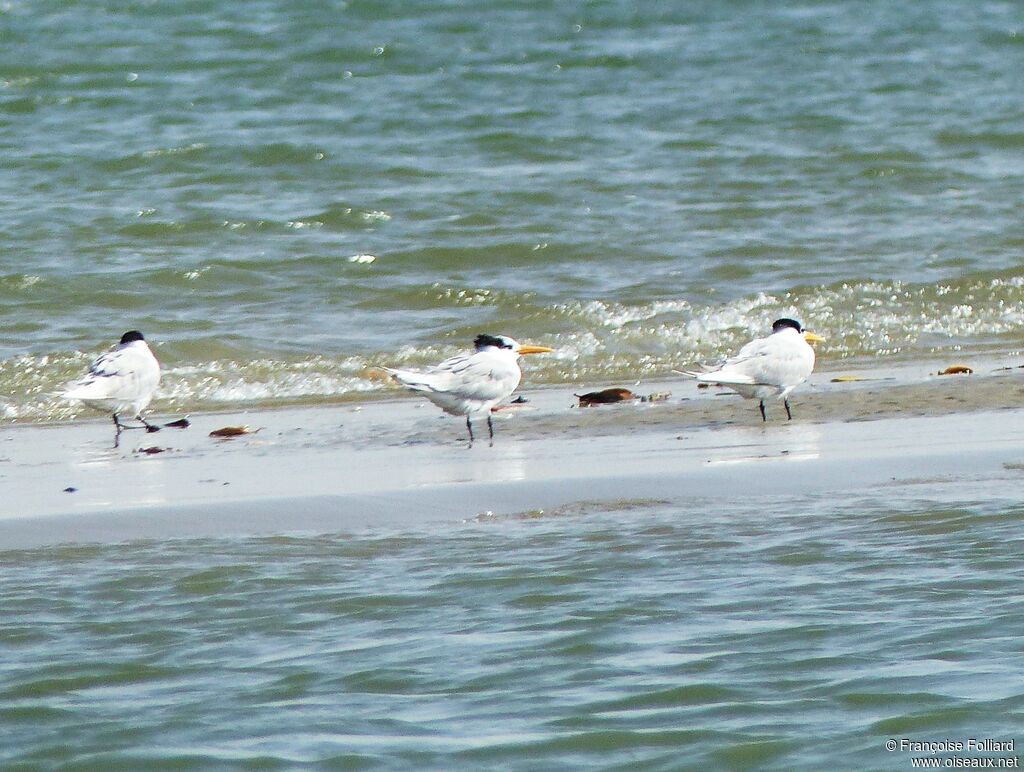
400	462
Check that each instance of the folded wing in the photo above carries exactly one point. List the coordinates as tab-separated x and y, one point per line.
122	374
779	361
468	376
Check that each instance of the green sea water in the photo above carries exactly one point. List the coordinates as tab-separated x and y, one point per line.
784	633
282	195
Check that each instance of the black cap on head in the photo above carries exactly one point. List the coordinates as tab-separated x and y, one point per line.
483	341
131	336
781	324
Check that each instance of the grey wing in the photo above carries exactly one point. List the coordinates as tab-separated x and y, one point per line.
111	376
126	371
778	360
109	364
761	347
754	363
747	362
477	377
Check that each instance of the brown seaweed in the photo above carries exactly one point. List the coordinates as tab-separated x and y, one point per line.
604	397
228	432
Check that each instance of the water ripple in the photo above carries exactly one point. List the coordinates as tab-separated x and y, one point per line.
611	637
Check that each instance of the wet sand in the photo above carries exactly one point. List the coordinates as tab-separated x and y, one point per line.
401	462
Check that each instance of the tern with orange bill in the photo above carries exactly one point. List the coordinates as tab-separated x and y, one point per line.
767	367
471	384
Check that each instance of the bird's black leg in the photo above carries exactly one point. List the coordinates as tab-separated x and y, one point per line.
118	428
764	416
145	425
469	426
788	412
149	427
490	428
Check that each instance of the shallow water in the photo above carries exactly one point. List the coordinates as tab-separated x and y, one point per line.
282	196
785	633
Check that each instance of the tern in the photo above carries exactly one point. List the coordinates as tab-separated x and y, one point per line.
121	381
767	367
471	384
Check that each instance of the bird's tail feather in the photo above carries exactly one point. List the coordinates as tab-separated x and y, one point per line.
91	390
410	379
723	377
727	379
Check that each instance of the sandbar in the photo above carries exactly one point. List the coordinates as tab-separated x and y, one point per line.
402	463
